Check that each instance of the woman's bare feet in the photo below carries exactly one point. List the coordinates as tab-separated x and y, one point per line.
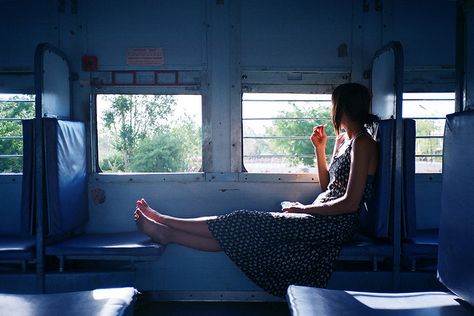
157	232
142	205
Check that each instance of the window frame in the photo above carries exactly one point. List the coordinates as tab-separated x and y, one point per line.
272	118
145	90
428	175
19	156
303	81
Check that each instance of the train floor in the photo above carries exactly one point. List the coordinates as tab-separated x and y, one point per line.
144	308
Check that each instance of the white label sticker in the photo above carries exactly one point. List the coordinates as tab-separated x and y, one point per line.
145	56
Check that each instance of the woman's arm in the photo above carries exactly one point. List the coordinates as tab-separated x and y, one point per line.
363	154
319	139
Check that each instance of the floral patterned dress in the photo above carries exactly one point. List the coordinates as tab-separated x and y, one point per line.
277	249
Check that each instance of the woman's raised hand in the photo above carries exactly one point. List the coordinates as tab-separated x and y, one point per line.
319	137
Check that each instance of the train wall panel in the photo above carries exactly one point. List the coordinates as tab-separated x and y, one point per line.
24	24
112	203
10	195
425	28
113	27
298	34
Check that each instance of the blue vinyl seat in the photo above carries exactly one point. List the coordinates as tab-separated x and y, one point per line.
103	302
17	249
20	246
417	244
456	248
131	246
424	245
66	196
372	243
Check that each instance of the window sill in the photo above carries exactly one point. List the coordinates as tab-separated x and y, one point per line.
202	177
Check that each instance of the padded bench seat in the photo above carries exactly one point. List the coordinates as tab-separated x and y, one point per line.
17	248
424	245
367	250
126	245
103	302
316	301
455	255
371	242
66	195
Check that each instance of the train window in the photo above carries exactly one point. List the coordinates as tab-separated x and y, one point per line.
13	108
276	129
429	111
149	133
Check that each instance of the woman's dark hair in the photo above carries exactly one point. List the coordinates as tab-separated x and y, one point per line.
353	99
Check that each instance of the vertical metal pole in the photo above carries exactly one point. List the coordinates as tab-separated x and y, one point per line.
397	201
38	169
460	55
398	175
235	95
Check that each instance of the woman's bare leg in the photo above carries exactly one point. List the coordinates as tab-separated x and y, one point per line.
163	234
196	226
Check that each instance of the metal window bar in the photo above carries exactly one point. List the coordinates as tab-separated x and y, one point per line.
16	101
428	99
10	156
428	118
10	119
288	100
306	137
15	137
280	156
284	137
285	118
434	155
430	136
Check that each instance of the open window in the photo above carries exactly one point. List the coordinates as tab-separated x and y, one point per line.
276	128
149	133
13	108
429	111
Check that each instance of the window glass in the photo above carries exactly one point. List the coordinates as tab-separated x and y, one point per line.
13	108
276	131
429	111
149	133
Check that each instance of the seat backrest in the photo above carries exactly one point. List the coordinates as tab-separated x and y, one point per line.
66	176
456	230
375	221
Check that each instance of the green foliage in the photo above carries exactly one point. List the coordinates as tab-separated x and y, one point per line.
133	118
114	163
169	150
18	109
145	137
300	130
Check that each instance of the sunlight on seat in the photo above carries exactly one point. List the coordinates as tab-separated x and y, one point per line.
404	301
18	305
102	294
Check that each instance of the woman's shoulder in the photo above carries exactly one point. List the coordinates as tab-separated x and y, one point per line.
365	142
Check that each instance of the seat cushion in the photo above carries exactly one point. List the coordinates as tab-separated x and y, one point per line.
103	302
16	248
359	248
134	244
456	233
315	301
424	245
